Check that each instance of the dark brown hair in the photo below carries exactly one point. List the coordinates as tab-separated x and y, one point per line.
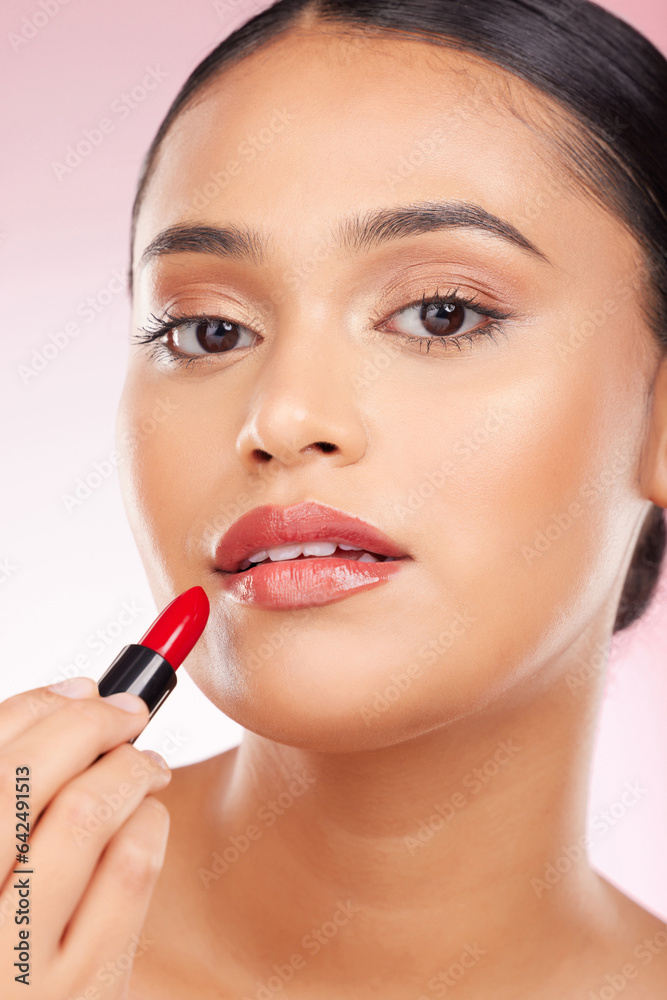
609	78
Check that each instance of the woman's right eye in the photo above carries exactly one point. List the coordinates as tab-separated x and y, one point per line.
207	335
183	339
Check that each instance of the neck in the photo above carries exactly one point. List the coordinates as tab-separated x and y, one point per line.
460	842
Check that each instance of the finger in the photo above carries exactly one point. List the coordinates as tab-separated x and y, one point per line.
77	826
59	747
110	917
23	710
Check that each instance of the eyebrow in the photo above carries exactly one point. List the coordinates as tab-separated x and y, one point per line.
354	233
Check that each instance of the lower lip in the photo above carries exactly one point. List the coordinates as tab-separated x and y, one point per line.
300	583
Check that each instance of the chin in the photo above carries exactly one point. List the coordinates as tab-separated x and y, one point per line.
335	698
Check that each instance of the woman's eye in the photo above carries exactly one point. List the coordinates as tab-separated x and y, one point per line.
446	319
436	319
214	336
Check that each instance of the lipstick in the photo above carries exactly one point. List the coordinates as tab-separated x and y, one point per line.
359	556
148	668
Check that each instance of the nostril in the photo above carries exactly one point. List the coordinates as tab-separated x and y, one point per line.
326	446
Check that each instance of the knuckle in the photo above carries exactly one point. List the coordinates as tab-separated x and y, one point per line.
137	860
123	756
159	808
140	767
129	765
76	806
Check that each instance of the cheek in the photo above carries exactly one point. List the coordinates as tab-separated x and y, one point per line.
522	496
166	466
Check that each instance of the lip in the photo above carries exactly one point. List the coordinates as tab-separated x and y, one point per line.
270	525
306	581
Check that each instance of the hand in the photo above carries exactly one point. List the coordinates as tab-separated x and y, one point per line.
95	839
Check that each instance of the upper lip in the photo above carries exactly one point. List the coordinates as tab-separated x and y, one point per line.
270	525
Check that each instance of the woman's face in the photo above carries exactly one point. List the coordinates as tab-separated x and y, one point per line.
505	466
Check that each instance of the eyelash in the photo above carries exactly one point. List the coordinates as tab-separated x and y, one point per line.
156	329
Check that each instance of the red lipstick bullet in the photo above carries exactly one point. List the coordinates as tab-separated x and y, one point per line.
148	668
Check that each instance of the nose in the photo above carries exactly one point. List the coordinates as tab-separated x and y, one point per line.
304	407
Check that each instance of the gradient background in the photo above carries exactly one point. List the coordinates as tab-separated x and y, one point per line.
72	587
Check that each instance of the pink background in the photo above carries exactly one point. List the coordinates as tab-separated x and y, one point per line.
72	588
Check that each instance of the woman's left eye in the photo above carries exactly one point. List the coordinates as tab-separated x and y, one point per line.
443	319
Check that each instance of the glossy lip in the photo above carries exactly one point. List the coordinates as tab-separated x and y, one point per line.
270	525
304	583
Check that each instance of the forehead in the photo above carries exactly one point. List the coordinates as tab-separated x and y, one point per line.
320	122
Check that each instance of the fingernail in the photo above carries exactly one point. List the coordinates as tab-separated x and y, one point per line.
125	700
74	687
159	760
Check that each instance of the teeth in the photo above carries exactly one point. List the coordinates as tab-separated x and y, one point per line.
283	552
323	548
292	551
318	548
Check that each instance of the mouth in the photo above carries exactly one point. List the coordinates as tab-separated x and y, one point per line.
306	530
307	554
314	550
